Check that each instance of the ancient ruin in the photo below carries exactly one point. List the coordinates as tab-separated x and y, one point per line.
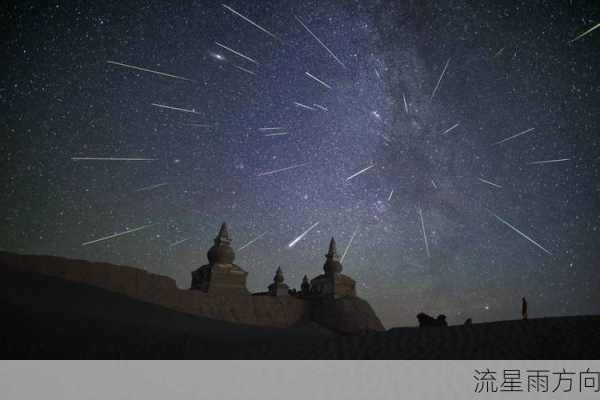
278	288
220	274
223	276
333	283
329	299
218	290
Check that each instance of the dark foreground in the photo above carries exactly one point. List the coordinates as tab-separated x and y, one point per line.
46	317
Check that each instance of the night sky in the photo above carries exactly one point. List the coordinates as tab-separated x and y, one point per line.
418	95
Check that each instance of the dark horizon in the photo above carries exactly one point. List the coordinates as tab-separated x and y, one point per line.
43	322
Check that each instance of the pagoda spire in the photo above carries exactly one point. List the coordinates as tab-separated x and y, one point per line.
278	288
278	278
223	235
332	265
221	252
332	253
305	287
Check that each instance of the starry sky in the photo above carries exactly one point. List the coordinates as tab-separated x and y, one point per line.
391	122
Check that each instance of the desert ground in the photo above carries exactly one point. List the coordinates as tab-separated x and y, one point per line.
46	317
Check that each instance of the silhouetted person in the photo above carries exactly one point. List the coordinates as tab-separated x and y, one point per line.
524	309
468	322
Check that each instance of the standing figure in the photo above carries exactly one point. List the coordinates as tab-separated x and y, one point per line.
524	309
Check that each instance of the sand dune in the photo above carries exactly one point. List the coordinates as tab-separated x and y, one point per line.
48	317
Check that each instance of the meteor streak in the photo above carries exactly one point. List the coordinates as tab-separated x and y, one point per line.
548	161
304	106
321	43
151	187
251	22
110	159
193	111
321	107
237	53
317	79
349	244
424	233
514	136
450	129
277	134
117	234
177	243
520	233
387	139
245	70
391	194
199	125
586	32
299	238
490	183
252	241
433	184
405	103
282	169
276	128
439	80
150	70
360	172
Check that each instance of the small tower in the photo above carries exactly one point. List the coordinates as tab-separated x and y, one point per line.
333	282
332	265
221	252
278	288
305	287
220	274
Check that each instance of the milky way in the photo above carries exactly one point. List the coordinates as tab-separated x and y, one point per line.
451	149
